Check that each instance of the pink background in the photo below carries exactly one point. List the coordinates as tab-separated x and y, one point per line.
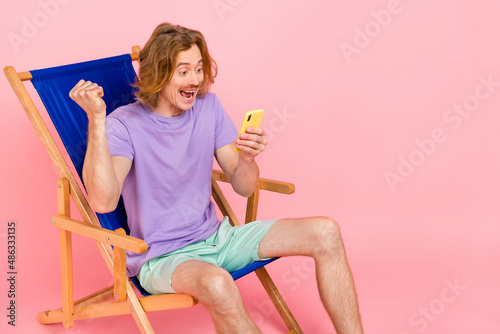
353	92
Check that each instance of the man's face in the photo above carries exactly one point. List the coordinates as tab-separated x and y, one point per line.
179	94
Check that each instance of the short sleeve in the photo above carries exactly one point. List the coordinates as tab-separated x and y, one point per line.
225	131
119	141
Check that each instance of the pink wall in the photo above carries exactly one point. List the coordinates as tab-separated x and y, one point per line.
383	113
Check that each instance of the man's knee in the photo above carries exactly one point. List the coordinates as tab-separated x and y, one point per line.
218	289
327	234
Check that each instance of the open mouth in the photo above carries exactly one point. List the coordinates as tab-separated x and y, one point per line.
188	95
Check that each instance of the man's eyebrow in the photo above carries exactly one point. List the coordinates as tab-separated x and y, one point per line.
181	64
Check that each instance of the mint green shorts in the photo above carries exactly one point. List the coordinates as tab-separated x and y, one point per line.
231	248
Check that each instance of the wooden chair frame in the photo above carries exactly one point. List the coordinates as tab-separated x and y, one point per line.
120	298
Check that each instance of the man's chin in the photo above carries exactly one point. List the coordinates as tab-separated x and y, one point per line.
186	105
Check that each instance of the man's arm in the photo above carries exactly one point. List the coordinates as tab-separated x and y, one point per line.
103	175
240	167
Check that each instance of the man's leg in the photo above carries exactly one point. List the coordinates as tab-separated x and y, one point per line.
319	238
215	288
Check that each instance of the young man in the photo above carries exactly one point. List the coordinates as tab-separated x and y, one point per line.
158	153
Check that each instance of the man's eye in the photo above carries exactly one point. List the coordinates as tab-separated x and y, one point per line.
183	72
199	70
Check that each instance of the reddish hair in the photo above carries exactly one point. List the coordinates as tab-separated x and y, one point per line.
158	59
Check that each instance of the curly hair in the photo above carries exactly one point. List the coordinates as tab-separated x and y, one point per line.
158	59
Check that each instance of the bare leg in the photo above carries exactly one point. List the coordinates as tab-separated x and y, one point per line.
320	238
215	288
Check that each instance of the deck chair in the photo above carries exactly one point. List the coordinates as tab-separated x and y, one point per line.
110	231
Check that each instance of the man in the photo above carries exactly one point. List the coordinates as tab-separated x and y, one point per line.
158	153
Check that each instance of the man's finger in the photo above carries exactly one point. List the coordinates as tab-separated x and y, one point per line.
89	85
251	137
100	91
76	87
258	131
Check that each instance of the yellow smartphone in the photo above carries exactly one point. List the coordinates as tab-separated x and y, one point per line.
252	119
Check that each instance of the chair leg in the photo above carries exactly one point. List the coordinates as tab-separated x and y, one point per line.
65	246
54	316
66	279
278	301
138	312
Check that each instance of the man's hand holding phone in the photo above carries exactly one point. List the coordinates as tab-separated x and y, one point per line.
252	139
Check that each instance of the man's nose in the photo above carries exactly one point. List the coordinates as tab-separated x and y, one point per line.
193	79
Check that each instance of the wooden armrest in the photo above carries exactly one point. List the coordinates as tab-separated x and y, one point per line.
100	234
264	184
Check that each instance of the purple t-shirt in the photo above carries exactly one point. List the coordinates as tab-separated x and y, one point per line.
167	193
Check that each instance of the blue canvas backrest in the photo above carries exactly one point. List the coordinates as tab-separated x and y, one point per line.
115	75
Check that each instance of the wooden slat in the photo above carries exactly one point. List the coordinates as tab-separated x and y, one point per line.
120	270
26	76
138	311
223	204
105	309
252	205
278	301
65	246
135	52
264	184
95	310
167	302
96	297
100	234
63	204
